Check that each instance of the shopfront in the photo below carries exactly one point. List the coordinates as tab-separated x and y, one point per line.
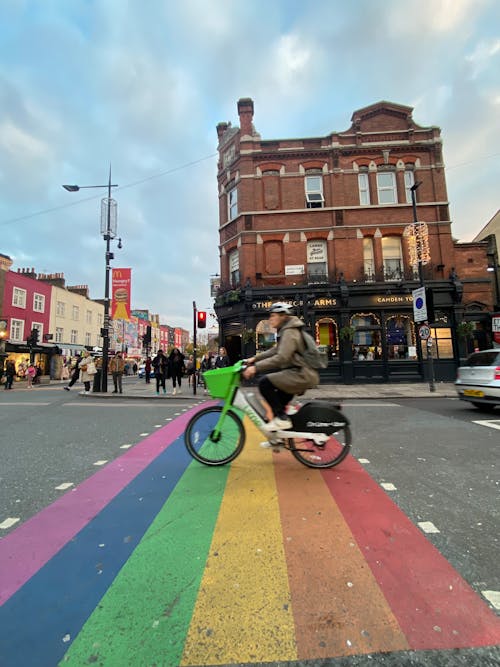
45	355
369	336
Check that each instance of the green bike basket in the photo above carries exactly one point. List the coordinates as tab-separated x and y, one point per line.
218	381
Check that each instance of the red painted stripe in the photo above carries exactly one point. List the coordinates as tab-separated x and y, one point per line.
25	550
435	607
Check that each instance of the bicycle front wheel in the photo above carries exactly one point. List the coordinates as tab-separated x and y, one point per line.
208	448
335	449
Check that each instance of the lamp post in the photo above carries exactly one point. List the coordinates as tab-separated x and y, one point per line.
430	361
108	231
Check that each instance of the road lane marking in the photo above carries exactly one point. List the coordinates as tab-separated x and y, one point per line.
9	521
6	404
363	460
64	486
490	423
493	598
428	527
125	446
100	463
388	486
143	435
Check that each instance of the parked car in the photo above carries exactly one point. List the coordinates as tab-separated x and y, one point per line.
478	380
141	373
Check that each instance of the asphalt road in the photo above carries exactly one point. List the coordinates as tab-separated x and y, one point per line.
438	456
50	437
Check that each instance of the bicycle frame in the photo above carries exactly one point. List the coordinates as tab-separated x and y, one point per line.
238	399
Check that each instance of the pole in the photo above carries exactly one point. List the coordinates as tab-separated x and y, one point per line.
430	361
194	347
105	339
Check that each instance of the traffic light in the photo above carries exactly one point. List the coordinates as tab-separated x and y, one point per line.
33	337
202	319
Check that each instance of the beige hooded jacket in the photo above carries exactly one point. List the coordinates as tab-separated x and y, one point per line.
293	375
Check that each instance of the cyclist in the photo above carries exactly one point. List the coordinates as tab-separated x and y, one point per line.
290	373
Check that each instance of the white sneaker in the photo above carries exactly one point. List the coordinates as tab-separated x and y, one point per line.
174	392
279	424
266	444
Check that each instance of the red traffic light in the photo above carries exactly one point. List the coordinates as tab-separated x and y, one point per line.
202	319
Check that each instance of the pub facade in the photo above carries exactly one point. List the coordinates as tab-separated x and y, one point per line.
328	225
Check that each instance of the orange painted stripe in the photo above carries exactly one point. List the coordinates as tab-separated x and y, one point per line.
337	605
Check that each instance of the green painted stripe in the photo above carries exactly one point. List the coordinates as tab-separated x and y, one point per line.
144	617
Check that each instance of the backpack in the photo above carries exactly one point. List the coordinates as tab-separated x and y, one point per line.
313	357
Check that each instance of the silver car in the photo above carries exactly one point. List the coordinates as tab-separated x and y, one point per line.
478	380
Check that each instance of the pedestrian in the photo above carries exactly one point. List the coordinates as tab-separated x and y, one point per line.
134	367
96	385
206	365
30	375
147	370
117	366
87	371
222	360
76	372
65	372
160	366
190	369
38	374
176	368
10	373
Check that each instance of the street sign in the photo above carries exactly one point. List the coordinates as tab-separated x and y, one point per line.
419	305
424	332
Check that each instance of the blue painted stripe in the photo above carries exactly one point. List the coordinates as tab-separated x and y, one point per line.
55	603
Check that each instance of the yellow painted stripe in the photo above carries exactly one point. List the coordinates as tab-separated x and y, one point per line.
243	611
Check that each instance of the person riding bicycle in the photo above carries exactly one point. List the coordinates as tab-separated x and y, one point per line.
292	374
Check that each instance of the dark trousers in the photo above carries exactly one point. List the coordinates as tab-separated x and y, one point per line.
9	379
74	378
176	375
160	381
277	399
117	381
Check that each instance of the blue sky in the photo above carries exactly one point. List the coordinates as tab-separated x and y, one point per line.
142	85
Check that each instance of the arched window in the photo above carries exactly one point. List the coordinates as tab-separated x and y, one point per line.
327	335
366	343
314	188
393	257
400	337
368	259
409	182
317	262
364	186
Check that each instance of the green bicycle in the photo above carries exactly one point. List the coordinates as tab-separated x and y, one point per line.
320	436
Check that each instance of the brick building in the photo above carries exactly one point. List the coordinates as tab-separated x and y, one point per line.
325	223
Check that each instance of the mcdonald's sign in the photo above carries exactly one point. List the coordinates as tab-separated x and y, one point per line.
120	294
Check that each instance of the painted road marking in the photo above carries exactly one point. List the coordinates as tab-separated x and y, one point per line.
388	486
490	423
125	446
64	486
22	403
100	463
9	521
428	527
493	598
363	460
143	435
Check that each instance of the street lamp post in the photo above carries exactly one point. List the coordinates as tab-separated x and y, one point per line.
108	231
430	361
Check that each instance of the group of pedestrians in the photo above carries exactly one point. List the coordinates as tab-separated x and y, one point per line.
168	367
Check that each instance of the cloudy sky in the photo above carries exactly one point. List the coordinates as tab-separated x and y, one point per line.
141	84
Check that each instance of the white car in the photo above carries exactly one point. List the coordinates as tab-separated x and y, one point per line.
478	380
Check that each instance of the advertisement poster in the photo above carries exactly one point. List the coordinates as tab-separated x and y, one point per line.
120	294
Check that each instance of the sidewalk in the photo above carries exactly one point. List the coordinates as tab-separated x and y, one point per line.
133	388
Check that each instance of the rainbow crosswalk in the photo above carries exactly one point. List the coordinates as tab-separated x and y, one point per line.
158	560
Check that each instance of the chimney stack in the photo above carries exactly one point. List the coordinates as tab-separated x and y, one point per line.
221	128
245	112
56	279
83	290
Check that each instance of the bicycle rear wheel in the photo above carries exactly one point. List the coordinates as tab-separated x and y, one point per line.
335	449
204	446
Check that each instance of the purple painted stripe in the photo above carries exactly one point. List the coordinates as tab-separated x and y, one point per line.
24	551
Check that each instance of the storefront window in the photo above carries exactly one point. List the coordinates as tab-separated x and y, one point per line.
442	345
366	344
400	337
266	336
326	335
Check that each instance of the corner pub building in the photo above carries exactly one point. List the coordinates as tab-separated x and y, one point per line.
323	224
